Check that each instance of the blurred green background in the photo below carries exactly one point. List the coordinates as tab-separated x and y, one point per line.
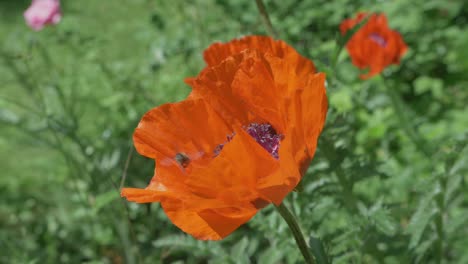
71	95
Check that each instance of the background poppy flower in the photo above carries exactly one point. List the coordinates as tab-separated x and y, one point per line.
42	12
375	45
241	140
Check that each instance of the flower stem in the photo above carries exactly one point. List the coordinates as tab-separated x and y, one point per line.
297	233
439	221
265	18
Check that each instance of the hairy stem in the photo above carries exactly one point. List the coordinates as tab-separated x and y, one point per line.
127	163
266	18
297	233
439	221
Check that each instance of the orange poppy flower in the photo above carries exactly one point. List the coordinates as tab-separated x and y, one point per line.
241	140
375	45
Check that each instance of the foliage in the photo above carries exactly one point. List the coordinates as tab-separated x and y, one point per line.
72	94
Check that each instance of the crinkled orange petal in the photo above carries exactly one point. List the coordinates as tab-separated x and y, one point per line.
207	224
214	85
277	185
314	110
250	82
304	117
166	183
233	175
190	126
255	85
218	52
307	112
143	195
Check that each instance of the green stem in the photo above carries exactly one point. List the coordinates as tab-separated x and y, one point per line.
127	163
336	55
340	44
343	40
266	18
439	221
401	112
297	233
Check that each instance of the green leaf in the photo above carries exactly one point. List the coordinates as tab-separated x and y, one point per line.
384	222
190	245
341	100
420	220
238	251
104	199
270	256
423	247
318	250
8	116
427	84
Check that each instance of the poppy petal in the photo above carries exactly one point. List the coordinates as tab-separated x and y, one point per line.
314	110
214	85
142	195
206	224
232	176
255	85
180	127
218	52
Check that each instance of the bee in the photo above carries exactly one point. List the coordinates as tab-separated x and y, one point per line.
182	159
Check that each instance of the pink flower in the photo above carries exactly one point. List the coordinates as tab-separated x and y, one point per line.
43	12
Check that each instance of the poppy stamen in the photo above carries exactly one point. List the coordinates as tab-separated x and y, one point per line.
266	136
377	38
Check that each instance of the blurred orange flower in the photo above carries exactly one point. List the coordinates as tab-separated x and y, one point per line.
375	45
242	139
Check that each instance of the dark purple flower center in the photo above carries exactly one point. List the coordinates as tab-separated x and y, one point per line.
266	136
378	39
